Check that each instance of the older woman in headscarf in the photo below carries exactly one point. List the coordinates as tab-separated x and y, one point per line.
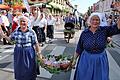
26	47
93	62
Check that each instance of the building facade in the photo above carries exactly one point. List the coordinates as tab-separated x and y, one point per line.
58	7
107	6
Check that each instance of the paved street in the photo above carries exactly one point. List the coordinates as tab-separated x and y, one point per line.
59	46
116	39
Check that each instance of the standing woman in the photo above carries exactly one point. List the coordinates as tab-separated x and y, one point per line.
50	27
57	21
93	62
25	51
41	29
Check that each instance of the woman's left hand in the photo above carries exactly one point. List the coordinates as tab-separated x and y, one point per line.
73	63
40	55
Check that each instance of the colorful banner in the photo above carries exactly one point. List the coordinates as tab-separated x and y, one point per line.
25	2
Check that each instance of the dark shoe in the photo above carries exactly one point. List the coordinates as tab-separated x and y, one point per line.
50	41
4	43
42	45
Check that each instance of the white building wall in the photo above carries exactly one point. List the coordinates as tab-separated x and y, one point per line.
107	8
104	6
101	7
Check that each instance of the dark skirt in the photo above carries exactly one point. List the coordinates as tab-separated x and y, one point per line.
25	63
50	31
92	67
35	29
41	34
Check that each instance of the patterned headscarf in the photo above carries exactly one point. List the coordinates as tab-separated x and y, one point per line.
103	21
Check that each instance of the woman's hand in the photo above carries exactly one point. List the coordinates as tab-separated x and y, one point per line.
74	59
41	59
109	39
40	55
73	63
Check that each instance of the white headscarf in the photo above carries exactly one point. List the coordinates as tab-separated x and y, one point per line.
20	17
103	21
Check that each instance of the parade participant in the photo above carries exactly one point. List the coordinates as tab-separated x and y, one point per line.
80	22
39	26
85	17
26	47
29	21
0	27
69	18
34	17
5	25
50	27
110	20
93	62
58	21
41	29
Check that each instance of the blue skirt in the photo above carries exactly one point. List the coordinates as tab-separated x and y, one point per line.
92	67
24	63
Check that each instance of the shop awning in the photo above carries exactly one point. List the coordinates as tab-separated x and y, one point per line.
18	7
2	6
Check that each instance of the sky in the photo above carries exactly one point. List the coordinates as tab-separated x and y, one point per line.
83	4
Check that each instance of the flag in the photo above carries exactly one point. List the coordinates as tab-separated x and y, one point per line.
25	2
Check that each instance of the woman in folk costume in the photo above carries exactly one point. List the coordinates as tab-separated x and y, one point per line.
93	62
50	27
41	29
26	47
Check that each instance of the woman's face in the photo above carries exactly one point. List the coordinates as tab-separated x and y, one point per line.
23	23
95	21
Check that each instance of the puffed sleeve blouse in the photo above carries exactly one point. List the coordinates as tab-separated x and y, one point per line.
90	41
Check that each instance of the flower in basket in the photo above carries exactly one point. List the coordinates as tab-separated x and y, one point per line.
64	65
55	64
47	62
